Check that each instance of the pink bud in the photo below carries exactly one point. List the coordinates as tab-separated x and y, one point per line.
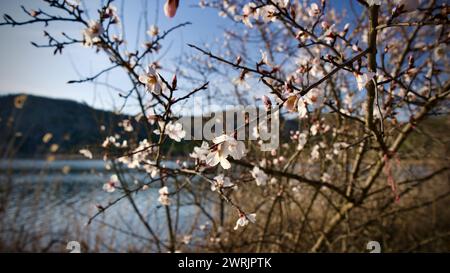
346	27
325	25
174	82
267	102
411	61
170	8
238	60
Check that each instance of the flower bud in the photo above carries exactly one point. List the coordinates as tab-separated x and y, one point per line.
170	8
267	102
174	82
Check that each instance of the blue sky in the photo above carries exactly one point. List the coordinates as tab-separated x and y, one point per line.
37	71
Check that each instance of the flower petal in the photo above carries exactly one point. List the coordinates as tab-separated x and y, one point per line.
225	163
290	103
212	159
143	79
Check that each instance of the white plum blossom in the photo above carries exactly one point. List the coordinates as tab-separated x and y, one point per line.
319	127
363	79
92	33
249	11
264	57
314	128
173	129
124	144
302	109
240	81
313	10
112	184
315	152
328	156
220	182
299	104
111	12
273	181
268	13
153	31
301	141
329	33
260	176
139	155
86	153
110	141
291	103
312	96
187	239
326	177
244	219
151	81
201	152
338	146
225	146
164	196
153	171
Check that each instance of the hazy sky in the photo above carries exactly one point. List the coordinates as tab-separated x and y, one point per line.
37	71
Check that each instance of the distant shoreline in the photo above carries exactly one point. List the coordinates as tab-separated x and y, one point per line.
57	157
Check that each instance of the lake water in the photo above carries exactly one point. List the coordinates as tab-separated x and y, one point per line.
44	205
